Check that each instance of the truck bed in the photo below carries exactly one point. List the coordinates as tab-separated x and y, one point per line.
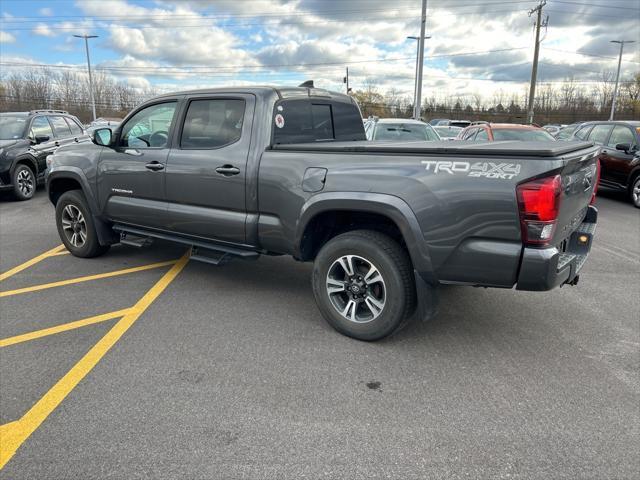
458	147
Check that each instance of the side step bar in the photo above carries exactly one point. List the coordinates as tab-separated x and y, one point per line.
213	253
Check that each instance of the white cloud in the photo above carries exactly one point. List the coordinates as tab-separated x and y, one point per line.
6	37
46	12
43	30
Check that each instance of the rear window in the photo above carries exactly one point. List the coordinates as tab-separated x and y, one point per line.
404	132
310	120
521	134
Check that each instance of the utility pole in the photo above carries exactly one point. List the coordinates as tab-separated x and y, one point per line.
615	90
415	82
417	107
86	46
534	69
346	80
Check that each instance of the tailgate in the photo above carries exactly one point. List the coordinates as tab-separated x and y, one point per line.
579	179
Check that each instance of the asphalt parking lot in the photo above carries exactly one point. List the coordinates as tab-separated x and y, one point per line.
186	370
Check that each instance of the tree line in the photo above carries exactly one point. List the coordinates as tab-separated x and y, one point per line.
565	102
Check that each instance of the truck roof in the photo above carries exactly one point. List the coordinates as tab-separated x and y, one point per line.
501	148
265	90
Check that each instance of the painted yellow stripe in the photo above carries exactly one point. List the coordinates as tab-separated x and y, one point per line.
15	433
25	337
29	263
63	252
88	278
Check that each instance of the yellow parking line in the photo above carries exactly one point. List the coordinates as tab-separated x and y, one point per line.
72	281
63	252
15	433
29	263
25	337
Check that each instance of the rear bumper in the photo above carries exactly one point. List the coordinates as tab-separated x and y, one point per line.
547	268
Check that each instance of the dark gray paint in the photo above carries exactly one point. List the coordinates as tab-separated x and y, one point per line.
458	229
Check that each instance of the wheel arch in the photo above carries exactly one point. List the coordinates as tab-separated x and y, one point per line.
27	160
59	182
381	212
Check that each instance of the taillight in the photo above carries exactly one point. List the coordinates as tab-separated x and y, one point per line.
595	187
539	204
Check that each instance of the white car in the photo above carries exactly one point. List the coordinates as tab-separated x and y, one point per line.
400	130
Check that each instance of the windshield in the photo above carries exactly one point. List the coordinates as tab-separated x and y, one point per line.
448	132
12	128
405	132
521	134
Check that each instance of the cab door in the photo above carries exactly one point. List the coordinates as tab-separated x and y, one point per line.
206	169
618	161
131	170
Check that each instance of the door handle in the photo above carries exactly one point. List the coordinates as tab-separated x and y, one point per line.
75	140
57	144
133	151
228	170
154	166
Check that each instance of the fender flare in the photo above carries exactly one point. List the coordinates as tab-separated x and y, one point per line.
391	206
74	173
21	159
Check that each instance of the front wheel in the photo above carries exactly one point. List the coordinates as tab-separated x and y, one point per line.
635	192
76	227
24	182
363	284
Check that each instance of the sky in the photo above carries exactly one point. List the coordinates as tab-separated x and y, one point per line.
475	47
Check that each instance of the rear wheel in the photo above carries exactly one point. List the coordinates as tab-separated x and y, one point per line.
76	227
363	284
24	182
635	192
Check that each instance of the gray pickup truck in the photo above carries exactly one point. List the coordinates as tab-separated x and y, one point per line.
239	172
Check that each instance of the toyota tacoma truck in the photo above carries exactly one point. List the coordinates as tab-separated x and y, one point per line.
242	172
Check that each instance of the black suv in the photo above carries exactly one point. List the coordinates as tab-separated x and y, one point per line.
26	140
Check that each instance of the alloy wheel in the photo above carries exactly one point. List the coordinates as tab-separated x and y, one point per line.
635	194
356	289
25	182
74	226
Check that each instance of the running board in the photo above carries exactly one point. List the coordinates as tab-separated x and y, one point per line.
215	254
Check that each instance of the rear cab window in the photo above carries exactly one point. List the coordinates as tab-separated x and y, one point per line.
60	127
309	119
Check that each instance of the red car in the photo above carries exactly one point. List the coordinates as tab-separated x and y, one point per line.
504	131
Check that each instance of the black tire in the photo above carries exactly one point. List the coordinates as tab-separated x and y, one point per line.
370	249
70	203
634	192
24	182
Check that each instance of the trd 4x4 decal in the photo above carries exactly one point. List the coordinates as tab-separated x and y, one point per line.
503	171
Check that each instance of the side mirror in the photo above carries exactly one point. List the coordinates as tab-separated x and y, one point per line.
102	136
625	147
41	139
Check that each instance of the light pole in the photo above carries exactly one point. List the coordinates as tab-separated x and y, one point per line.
615	90
416	93
86	46
420	62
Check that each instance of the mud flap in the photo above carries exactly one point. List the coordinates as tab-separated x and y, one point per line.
427	298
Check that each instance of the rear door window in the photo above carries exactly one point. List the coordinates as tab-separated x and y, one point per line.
470	135
75	128
212	123
621	134
599	133
60	127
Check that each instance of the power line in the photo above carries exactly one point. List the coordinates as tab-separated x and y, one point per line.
595	5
